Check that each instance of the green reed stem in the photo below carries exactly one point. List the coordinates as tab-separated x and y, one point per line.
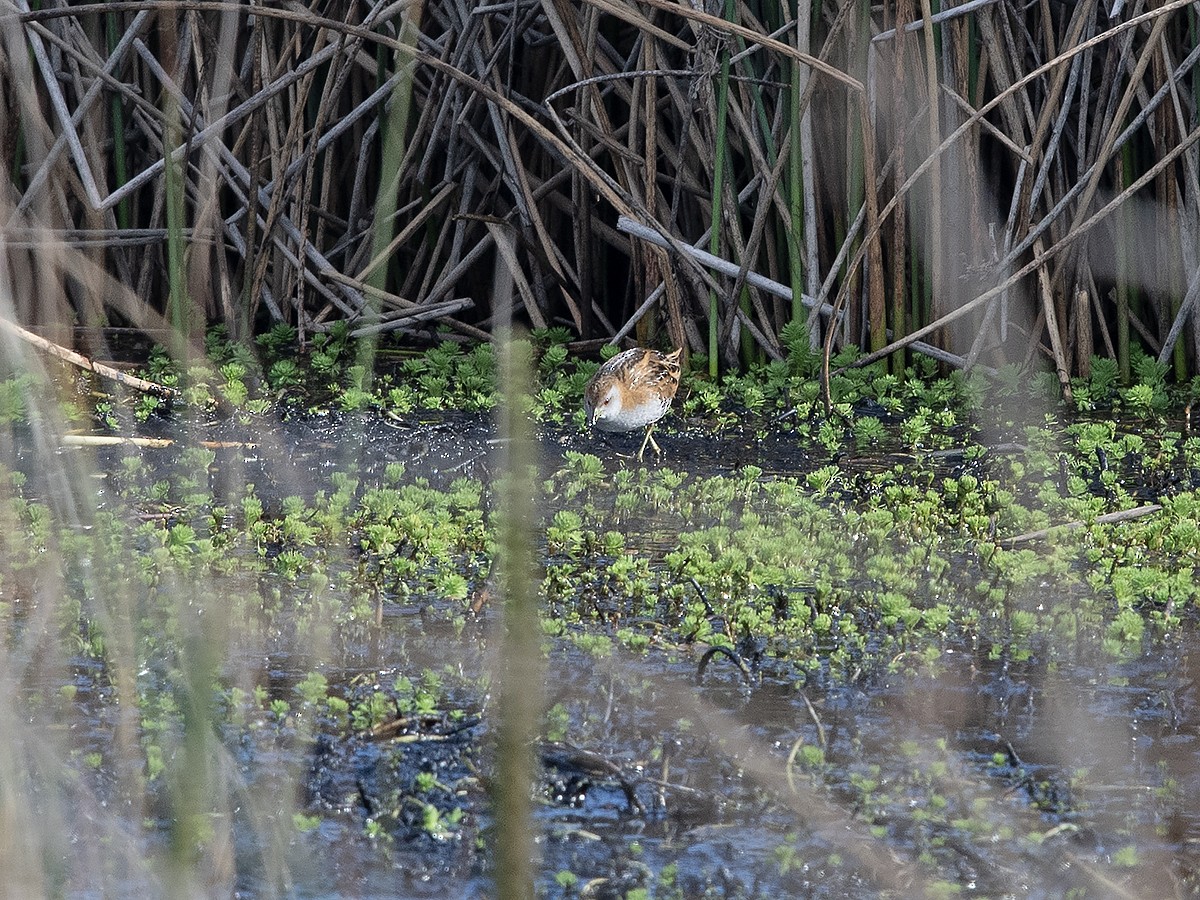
179	310
795	187
179	307
754	88
918	296
1181	355
519	707
714	239
934	279
192	774
117	113
395	143
750	348
1124	287
855	161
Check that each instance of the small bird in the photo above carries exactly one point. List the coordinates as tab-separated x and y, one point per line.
633	389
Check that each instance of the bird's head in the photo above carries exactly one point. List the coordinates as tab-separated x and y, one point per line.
602	401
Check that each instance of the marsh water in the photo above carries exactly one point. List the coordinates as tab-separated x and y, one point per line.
987	767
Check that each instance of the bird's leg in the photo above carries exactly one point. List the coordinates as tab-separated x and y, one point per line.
649	440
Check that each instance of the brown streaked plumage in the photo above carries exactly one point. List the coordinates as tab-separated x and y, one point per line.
632	390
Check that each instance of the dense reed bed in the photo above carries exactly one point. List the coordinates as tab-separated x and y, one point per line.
1016	184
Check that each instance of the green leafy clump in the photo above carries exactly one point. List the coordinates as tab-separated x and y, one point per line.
13	392
835	575
848	567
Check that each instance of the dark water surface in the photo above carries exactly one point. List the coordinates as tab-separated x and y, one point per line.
989	770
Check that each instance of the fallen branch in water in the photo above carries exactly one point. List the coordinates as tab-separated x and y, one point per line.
1112	518
113	440
78	359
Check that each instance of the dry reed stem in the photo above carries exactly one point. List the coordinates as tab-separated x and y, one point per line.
1113	518
1065	56
1038	259
295	145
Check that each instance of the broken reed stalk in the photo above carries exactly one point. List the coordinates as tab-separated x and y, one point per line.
1113	518
78	359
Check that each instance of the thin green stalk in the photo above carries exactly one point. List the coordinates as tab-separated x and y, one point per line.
1175	301
855	162
903	274
1193	33
193	779
1124	287
760	106
795	195
918	296
117	111
519	706
395	143
750	348
714	238
179	309
934	283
